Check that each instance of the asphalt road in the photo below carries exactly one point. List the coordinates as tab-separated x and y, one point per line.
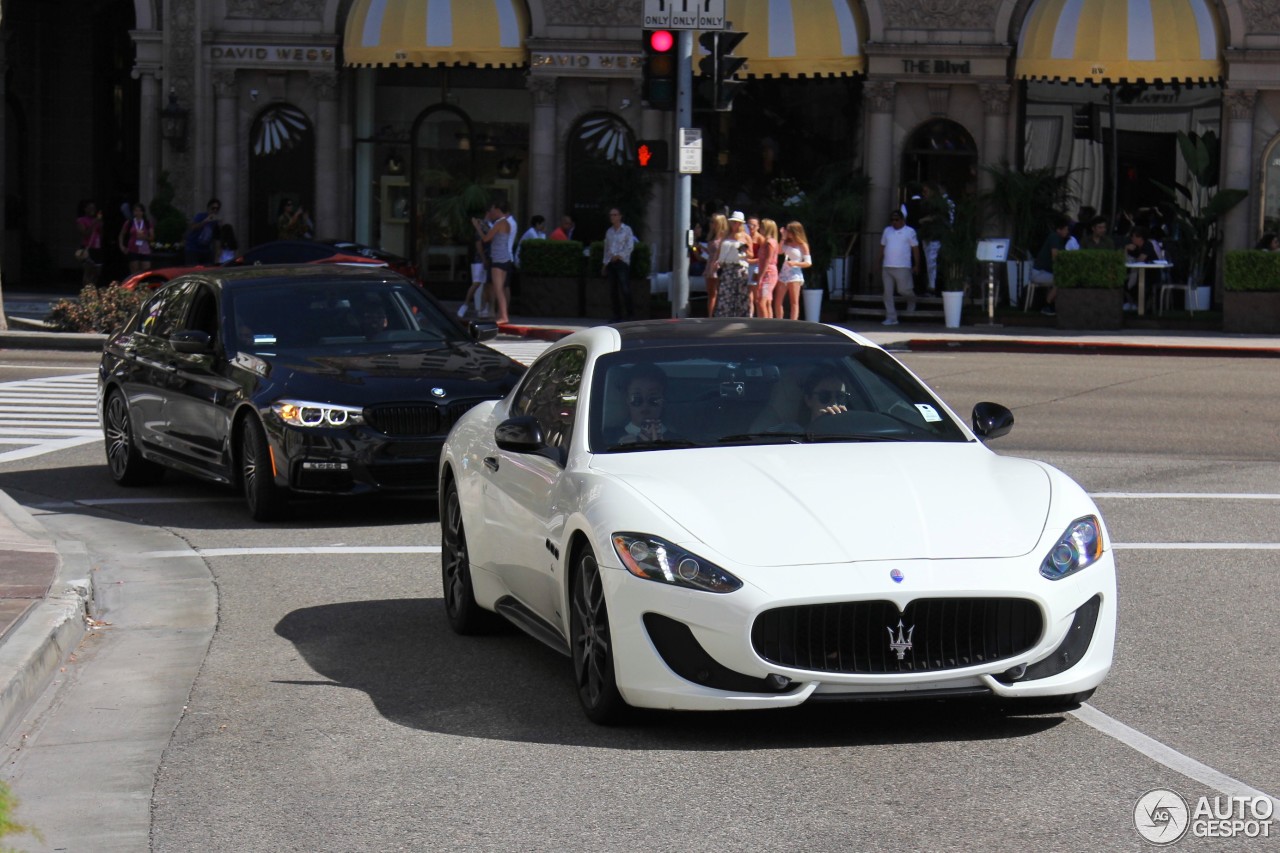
334	710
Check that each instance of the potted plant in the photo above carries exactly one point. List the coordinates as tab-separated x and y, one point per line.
1251	297
1029	200
551	278
958	258
1198	208
1090	285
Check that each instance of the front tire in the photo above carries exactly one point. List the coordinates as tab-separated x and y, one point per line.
266	500
125	463
592	643
465	616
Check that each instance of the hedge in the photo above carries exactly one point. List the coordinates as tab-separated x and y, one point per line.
1098	269
551	258
1252	269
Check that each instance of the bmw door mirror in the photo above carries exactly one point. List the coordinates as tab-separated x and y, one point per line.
484	331
191	341
991	420
521	434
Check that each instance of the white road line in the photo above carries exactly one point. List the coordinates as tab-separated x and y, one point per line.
1187	496
1166	755
133	502
303	551
47	414
1196	546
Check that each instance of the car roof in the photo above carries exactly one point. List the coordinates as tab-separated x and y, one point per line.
261	274
727	331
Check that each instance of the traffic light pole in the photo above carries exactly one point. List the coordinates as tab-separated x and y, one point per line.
683	182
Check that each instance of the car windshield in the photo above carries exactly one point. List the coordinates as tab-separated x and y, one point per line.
722	396
339	315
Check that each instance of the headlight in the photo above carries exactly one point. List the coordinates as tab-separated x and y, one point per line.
656	559
1079	547
300	413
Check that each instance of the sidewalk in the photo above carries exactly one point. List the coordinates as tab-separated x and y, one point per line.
45	593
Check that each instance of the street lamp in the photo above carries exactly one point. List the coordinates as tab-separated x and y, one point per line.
173	123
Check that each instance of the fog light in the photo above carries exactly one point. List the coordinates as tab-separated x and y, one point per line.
1014	673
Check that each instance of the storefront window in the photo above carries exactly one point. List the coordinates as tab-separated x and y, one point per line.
282	169
941	152
603	173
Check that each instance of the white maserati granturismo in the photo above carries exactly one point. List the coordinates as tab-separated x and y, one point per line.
721	514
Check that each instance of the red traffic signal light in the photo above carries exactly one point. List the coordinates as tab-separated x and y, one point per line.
659	89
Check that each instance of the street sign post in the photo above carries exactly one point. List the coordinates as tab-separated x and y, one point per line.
684	14
691	151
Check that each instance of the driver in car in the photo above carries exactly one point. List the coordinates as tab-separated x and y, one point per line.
646	397
824	394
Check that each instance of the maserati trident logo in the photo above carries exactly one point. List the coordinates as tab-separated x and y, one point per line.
901	643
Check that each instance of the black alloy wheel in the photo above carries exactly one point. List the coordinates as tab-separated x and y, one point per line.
592	644
266	500
127	466
465	616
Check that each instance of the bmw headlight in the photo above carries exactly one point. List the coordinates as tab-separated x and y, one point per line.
656	559
1078	548
300	413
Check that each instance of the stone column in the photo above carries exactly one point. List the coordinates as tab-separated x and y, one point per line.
545	196
1237	167
148	137
226	165
996	99
330	219
878	101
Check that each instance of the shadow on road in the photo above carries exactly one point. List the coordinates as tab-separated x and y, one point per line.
506	686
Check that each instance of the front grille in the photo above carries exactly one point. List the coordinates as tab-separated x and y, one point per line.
405	476
417	418
857	637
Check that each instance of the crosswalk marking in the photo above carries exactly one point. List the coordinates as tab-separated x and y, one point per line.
523	351
39	416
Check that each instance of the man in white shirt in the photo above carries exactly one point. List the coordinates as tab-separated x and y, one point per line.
899	261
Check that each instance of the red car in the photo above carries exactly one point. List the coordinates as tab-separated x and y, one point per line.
274	252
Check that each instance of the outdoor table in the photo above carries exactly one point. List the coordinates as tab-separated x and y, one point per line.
1142	279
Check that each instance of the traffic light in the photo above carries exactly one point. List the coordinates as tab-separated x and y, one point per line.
660	69
653	154
718	67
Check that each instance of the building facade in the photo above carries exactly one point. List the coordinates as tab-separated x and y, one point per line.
379	115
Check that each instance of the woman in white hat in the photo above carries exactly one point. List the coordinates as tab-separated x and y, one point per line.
732	298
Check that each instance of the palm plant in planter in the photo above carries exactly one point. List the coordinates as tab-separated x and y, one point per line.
1199	206
1090	285
1029	201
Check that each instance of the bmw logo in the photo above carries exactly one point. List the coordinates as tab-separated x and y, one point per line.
896	574
437	392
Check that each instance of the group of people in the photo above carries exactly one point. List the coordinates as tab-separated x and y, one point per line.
495	257
207	240
1091	231
751	267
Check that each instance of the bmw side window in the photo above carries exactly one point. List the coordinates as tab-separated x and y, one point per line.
204	312
163	315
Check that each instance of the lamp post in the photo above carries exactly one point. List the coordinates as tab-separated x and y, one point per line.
173	123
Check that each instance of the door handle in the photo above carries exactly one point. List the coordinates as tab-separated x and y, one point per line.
491	462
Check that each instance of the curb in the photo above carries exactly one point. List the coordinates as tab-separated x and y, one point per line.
34	649
86	341
1078	347
541	333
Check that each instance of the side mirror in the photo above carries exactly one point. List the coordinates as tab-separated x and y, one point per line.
521	434
484	330
191	341
991	420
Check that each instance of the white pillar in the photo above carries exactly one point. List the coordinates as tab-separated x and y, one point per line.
878	100
148	137
1237	163
363	202
543	197
996	99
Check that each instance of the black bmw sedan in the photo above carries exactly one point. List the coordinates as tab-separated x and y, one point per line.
290	380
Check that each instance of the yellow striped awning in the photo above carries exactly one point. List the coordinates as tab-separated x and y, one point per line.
798	38
489	33
1120	41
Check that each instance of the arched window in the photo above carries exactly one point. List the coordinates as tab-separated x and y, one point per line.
603	172
442	166
941	151
1271	187
282	167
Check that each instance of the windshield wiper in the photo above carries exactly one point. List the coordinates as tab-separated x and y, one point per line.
652	445
852	436
763	438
